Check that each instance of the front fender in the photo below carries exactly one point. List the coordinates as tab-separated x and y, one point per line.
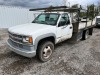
42	37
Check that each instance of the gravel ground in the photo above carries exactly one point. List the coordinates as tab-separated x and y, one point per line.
82	58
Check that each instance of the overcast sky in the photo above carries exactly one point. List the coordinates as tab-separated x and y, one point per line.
44	3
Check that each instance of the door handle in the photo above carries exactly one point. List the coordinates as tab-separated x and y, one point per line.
71	27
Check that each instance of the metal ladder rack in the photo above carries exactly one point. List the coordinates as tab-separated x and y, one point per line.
57	8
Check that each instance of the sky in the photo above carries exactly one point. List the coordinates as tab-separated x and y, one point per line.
44	3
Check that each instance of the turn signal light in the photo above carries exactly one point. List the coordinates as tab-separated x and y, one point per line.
30	40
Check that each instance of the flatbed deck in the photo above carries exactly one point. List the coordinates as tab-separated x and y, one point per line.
88	24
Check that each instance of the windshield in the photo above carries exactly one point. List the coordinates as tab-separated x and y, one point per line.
47	18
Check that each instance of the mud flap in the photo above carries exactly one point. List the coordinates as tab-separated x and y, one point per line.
76	37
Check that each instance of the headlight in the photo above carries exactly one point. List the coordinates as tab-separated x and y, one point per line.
27	40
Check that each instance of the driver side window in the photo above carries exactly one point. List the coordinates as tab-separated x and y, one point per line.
64	20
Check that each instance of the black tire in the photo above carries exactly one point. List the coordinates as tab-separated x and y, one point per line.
85	35
43	52
91	31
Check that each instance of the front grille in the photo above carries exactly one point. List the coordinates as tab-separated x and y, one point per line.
16	41
98	20
16	38
16	44
20	46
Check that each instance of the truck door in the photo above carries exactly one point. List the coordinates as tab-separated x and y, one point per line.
65	26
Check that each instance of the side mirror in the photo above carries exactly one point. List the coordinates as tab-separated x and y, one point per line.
68	22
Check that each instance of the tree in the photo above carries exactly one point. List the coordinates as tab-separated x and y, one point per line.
98	6
91	11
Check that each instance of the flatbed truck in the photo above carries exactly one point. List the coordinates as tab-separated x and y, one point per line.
52	26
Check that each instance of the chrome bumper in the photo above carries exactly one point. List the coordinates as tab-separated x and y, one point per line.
21	51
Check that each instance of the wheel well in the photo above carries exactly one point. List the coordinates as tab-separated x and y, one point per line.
51	38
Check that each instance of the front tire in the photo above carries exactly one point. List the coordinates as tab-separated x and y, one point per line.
45	50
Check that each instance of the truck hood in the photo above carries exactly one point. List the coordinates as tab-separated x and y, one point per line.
28	29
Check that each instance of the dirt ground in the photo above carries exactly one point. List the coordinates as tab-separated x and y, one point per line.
82	58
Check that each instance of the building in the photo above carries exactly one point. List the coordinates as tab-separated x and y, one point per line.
12	16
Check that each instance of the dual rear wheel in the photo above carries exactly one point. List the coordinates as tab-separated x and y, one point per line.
85	35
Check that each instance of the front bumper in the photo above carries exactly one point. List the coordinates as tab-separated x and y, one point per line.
21	51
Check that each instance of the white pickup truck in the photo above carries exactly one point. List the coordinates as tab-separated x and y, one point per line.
47	30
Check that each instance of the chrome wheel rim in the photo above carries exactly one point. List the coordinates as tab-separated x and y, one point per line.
47	52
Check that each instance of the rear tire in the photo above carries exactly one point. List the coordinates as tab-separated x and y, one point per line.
85	35
45	50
